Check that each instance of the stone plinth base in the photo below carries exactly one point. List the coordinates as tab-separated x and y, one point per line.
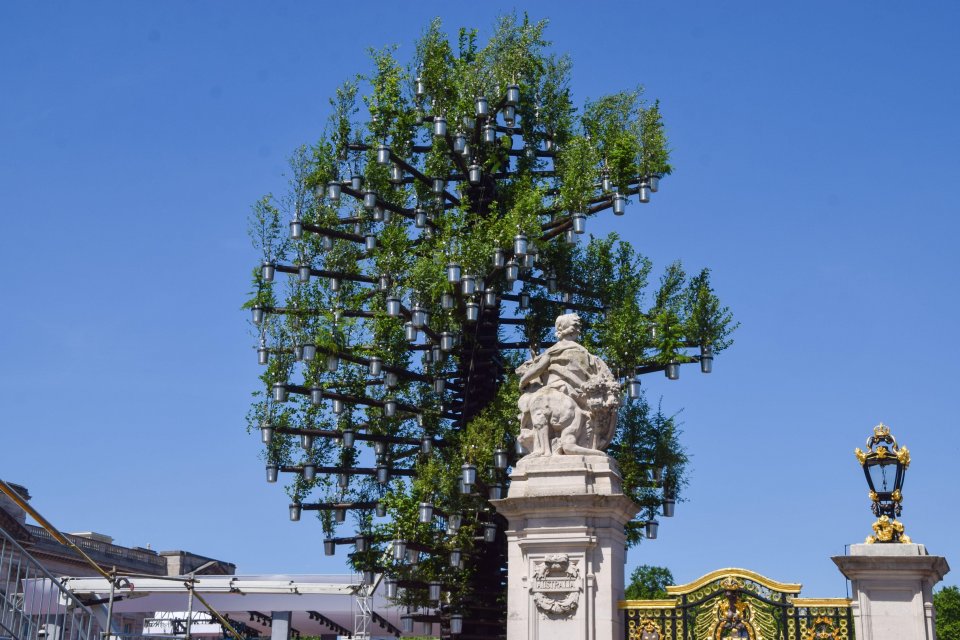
566	548
892	590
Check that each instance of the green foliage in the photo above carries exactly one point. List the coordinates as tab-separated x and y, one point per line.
645	440
530	191
946	603
648	582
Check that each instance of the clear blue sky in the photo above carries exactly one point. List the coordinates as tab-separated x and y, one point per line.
816	147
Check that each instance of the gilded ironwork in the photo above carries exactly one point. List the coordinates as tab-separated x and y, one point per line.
887	530
736	604
823	628
884	464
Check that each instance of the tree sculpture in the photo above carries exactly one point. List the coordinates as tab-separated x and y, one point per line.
428	251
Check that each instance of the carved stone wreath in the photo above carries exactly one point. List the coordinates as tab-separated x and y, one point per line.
556	585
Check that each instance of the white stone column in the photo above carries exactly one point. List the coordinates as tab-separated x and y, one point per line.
280	625
566	548
892	587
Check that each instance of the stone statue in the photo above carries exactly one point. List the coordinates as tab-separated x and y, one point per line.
569	398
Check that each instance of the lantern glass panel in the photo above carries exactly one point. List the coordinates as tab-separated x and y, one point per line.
882	477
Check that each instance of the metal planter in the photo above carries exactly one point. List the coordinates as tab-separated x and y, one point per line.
266	433
309	352
267	270
500	459
280	393
306	441
474	174
375	366
654	183
257	314
483	109
295	510
439	126
296	230
513	95
329	547
439	186
489	134
669	507
393	306
579	220
468	473
468	285
272	471
333	192
316	396
672	371
370	242
410	332
633	389
446	341
512	271
356	182
333	362
433	591
263	355
489	532
706	359
453	523
453	273
619	204
644	193
337	406
419	218
472	311
651	529
390	408
426	512
309	472
383	155
520	244
369	200
383	474
456	556
396	174
426	445
347	438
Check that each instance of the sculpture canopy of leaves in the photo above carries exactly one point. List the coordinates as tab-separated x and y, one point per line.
374	230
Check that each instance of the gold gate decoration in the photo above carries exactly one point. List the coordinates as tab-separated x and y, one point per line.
737	604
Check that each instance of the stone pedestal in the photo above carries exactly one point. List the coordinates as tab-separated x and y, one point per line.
566	548
892	590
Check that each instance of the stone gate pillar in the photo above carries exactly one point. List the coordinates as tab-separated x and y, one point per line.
892	587
566	548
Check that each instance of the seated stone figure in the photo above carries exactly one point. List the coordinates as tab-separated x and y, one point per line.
569	398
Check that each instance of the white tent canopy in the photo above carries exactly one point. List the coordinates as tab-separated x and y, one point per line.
304	596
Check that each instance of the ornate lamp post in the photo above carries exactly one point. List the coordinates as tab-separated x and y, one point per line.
884	464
